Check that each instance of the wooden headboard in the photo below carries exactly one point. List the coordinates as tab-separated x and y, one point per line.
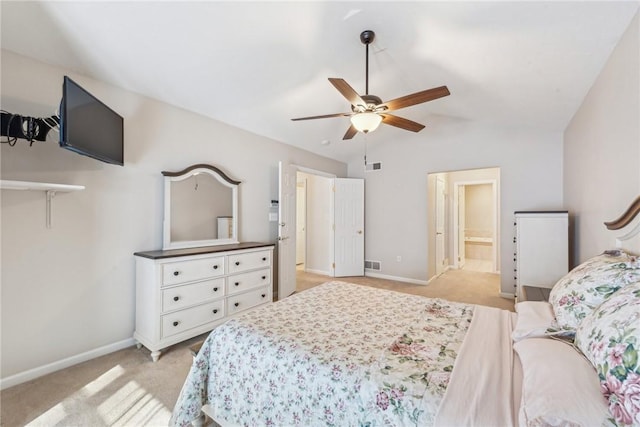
626	221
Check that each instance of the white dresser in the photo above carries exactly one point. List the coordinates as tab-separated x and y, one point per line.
182	293
541	252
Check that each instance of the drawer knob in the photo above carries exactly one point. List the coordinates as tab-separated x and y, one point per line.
215	267
215	310
264	258
237	262
176	298
237	304
175	273
215	289
176	323
264	295
264	277
237	283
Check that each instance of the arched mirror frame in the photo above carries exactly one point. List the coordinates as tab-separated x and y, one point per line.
187	173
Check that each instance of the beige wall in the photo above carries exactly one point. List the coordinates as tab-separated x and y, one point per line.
68	292
602	150
530	165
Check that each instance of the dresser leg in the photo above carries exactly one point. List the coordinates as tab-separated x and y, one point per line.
155	355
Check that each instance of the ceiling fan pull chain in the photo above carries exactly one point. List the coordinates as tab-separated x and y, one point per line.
365	150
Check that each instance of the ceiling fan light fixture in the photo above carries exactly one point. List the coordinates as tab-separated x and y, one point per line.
366	121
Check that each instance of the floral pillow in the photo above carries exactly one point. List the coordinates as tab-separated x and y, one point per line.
610	338
585	287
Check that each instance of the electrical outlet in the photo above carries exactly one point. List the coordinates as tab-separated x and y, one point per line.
399	258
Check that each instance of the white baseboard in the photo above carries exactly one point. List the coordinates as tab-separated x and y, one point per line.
40	371
320	272
507	295
396	278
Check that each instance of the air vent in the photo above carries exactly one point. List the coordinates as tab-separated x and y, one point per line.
373	166
372	265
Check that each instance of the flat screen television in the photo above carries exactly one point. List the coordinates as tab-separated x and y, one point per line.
88	126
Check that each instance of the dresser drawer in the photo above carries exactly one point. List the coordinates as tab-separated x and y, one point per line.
249	261
245	281
195	293
189	271
180	321
237	303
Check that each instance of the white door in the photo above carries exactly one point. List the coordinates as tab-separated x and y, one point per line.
301	221
286	230
348	199
439	226
461	226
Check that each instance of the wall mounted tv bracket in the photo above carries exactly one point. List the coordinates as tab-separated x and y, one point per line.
29	128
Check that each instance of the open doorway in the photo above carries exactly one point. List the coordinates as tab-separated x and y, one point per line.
475	225
463	221
332	239
313	223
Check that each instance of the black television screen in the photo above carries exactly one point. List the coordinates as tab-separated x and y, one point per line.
88	126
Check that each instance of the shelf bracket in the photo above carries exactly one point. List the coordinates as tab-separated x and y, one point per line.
49	189
50	195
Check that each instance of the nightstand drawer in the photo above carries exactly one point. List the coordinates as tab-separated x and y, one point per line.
249	261
237	303
180	321
195	293
245	281
189	271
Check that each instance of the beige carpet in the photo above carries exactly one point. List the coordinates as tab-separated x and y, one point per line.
454	285
126	388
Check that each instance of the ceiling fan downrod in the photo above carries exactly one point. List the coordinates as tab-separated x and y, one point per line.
366	37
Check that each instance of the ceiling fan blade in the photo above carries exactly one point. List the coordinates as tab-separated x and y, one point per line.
351	132
401	123
326	116
347	91
416	98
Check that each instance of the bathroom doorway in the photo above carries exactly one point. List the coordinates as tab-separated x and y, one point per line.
464	206
474	208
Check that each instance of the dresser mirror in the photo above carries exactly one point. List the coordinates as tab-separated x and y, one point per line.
200	208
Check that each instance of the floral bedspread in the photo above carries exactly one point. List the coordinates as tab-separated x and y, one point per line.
337	354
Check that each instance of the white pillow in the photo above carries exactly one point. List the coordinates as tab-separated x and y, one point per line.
585	287
535	319
559	386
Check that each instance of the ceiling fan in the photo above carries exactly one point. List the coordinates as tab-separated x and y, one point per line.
368	111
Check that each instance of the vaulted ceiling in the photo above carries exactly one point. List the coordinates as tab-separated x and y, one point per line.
256	65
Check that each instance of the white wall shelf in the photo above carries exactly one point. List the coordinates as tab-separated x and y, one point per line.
48	188
6	184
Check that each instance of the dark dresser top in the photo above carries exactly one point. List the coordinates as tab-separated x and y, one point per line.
159	254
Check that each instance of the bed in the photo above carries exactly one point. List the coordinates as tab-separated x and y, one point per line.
342	354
